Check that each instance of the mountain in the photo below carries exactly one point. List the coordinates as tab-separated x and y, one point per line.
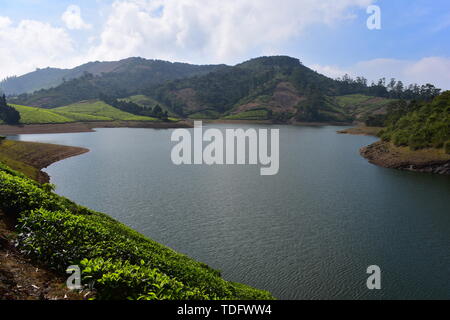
124	74
277	88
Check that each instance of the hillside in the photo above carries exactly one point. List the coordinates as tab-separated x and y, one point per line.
97	110
360	106
276	84
85	111
276	88
118	78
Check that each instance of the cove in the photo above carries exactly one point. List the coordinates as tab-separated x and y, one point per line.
309	232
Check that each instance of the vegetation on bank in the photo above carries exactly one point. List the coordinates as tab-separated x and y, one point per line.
419	125
119	262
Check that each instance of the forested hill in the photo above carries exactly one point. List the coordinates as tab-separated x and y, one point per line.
122	74
277	88
280	88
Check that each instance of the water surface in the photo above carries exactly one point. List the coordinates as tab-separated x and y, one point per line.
309	232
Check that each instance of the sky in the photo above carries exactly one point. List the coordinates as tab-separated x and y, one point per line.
330	36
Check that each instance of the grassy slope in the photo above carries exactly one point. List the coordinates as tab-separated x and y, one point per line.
82	111
100	109
121	263
30	115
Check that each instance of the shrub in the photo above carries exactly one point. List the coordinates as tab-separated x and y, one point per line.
123	280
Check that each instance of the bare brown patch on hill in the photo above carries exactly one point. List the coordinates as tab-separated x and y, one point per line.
284	99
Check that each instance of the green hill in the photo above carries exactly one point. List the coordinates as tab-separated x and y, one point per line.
32	115
99	110
83	111
279	84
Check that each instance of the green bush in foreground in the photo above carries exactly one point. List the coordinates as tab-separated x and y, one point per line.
119	261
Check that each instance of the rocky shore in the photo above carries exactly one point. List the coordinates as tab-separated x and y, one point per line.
386	155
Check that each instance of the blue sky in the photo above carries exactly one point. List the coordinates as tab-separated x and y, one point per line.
328	35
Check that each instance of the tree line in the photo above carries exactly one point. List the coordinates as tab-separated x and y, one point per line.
393	89
134	108
8	114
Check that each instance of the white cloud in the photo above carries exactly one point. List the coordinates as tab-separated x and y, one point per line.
434	70
214	31
31	44
73	20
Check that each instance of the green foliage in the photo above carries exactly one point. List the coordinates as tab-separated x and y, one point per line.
249	115
122	280
419	126
121	262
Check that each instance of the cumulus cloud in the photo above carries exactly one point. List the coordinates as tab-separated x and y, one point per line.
31	44
73	20
434	70
216	31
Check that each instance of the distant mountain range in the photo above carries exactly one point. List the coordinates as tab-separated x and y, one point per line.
154	71
279	88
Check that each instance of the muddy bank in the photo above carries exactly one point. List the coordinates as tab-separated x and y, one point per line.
78	127
31	157
386	155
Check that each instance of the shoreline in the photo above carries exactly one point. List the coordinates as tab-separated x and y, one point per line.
32	157
386	155
79	127
269	122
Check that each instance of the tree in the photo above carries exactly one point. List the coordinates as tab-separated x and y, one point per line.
7	113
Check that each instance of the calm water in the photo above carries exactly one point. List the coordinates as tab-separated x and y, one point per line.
310	232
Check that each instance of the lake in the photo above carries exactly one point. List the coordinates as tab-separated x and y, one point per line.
309	232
